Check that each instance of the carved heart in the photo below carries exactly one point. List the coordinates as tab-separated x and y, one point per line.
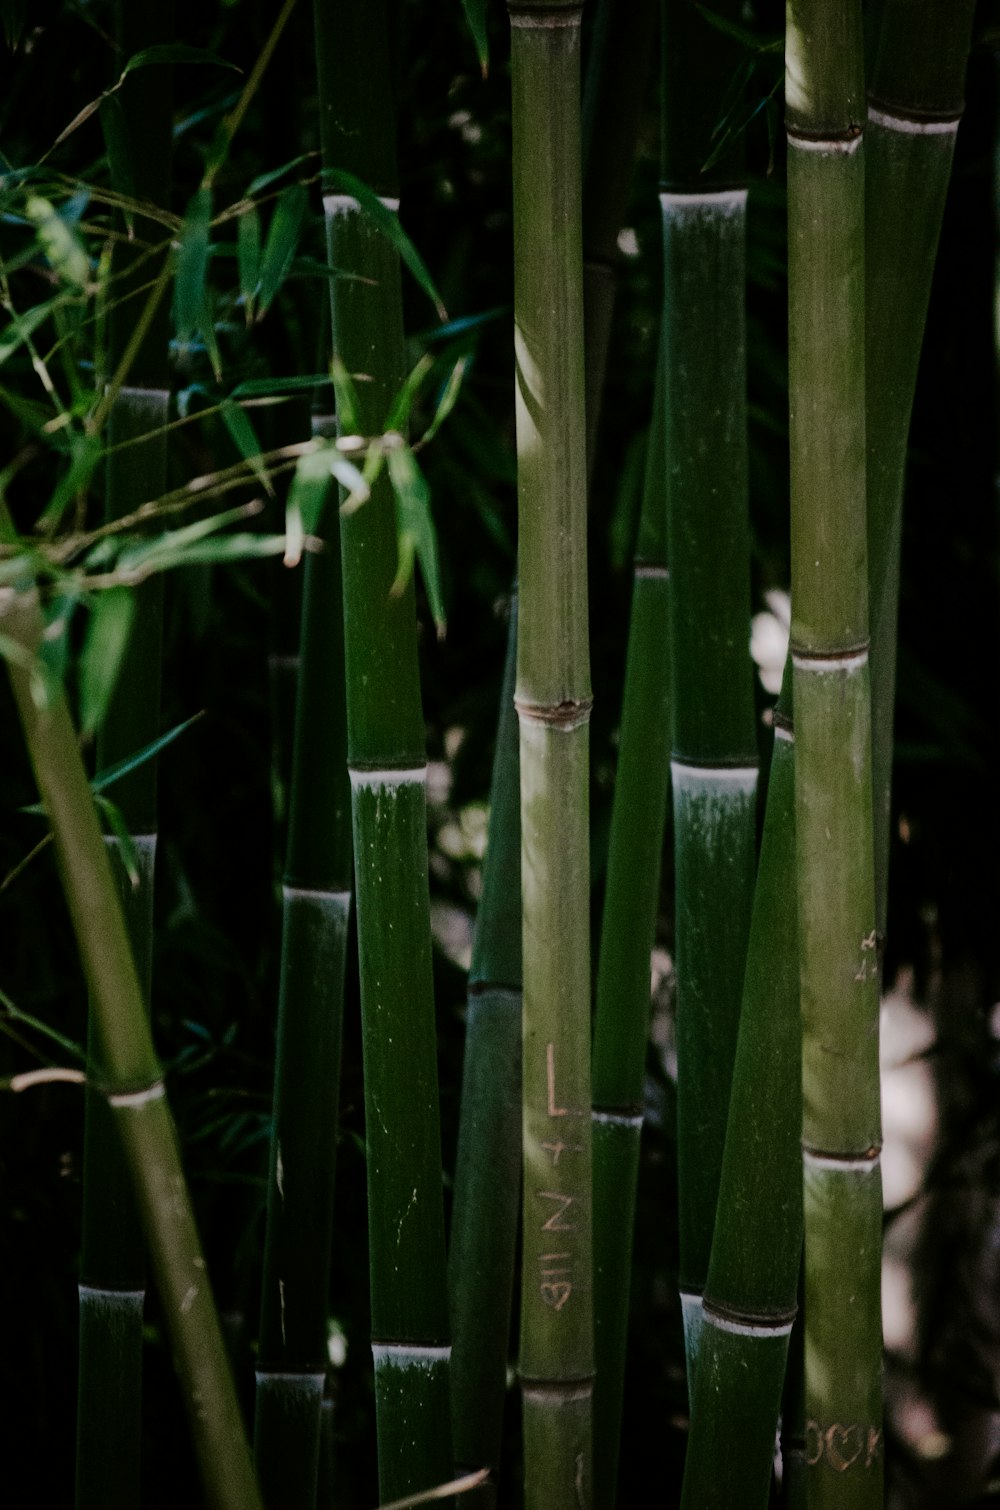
844	1445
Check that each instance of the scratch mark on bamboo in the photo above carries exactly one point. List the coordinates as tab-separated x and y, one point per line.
842	1445
550	1075
847	1163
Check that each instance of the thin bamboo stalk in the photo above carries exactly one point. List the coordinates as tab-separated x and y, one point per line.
714	767
386	757
553	701
621	53
112	1264
316	909
915	104
488	1165
621	1025
131	1076
841	1132
750	1293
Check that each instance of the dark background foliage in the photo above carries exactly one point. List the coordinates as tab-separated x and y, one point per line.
223	783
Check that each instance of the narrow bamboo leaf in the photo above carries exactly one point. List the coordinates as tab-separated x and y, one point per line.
388	223
739	33
33	415
282	240
192	265
126	844
11	1009
310	486
208	335
175	52
111	617
399	414
265	180
113	773
448	398
22	326
86	453
138	552
244	437
118	144
415	529
241	547
475	15
248	258
265	387
346	398
65	252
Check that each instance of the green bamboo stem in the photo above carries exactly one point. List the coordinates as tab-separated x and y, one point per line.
750	1293
621	51
553	701
621	1025
112	1264
915	104
841	1132
131	1078
388	784
316	908
714	769
488	1165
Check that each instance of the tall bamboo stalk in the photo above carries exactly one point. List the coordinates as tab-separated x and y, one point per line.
621	1025
714	768
386	758
316	909
841	1132
915	104
553	702
750	1293
130	1076
488	1165
112	1265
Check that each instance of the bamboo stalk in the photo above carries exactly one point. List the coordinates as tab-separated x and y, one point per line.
621	1025
488	1165
131	1076
112	1263
841	1132
915	104
388	778
316	908
750	1293
553	701
714	768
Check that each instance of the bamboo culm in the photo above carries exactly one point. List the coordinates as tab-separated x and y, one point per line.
387	763
714	769
131	1078
841	1133
553	702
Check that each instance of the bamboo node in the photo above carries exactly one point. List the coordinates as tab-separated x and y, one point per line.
528	16
568	715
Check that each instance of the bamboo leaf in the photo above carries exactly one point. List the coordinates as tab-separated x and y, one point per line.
388	223
192	266
63	248
475	15
739	33
126	844
244	437
282	240
111	617
175	52
113	773
11	1009
448	398
399	414
345	396
21	327
265	180
266	387
86	453
118	143
248	258
306	496
415	528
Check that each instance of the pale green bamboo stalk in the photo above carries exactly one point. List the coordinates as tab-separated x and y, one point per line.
488	1165
387	762
553	702
841	1132
915	104
714	769
112	1261
621	1024
131	1078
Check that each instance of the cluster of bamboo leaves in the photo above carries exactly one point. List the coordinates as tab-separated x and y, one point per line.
151	333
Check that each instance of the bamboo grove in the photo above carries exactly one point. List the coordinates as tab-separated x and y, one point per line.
492	1222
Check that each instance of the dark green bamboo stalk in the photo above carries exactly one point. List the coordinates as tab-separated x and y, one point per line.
131	1078
292	1358
388	777
621	1025
714	768
841	1132
621	52
553	702
915	104
112	1265
750	1293
488	1166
